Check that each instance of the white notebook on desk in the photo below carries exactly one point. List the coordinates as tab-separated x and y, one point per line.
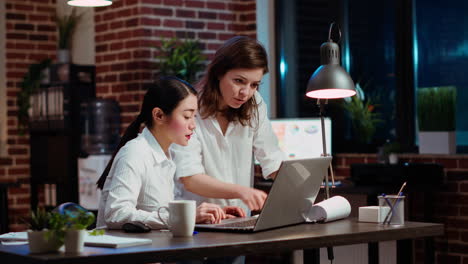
115	241
91	241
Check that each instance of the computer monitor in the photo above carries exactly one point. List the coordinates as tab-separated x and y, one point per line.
301	138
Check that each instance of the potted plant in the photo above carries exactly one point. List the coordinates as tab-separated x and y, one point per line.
75	230
436	120
66	26
364	117
181	58
44	233
29	85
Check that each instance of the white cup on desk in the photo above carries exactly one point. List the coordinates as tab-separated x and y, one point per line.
182	215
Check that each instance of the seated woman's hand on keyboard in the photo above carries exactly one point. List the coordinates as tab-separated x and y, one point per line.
233	211
209	213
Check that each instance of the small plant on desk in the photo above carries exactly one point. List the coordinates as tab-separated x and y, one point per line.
44	233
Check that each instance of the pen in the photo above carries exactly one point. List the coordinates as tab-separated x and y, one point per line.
400	193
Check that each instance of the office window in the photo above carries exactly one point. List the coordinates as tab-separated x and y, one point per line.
368	53
441	45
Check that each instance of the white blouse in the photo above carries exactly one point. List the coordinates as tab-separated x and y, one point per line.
229	157
140	181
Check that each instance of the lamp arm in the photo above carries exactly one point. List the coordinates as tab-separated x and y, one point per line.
322	104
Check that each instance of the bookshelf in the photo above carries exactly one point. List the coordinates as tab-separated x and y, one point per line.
55	132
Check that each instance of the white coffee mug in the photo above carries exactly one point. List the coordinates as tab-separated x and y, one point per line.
182	215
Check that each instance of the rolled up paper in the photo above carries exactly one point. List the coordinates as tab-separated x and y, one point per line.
328	210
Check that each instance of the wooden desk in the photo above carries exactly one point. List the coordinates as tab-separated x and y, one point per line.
216	244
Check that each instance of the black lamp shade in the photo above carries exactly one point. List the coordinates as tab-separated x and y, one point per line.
330	80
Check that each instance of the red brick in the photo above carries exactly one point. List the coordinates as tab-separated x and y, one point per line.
16	36
185	13
6	161
101	89
173	23
163	33
224	16
124	13
130	108
214	25
15	16
18	171
191	3
463	163
194	24
102	27
207	35
214	46
162	12
18	190
116	46
17	151
142	32
23	200
125	34
216	5
173	2
447	163
155	2
46	28
110	57
37	18
20	161
150	21
207	15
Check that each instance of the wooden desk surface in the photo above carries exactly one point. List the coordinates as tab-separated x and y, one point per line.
214	244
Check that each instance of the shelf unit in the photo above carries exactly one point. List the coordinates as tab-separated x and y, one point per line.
55	132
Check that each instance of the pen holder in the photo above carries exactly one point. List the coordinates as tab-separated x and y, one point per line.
392	209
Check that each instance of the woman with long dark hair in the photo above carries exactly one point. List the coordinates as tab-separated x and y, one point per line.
139	178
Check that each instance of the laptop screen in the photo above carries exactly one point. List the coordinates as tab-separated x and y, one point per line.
301	138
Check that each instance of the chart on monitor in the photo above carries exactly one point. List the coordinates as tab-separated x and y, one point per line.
301	138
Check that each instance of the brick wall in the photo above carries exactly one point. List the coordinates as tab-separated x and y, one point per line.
450	208
127	33
30	37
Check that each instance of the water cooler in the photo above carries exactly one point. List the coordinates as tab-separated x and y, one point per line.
100	135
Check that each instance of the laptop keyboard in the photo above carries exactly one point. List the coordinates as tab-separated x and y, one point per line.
246	223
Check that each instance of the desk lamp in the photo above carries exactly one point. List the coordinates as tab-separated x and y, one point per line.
329	81
89	3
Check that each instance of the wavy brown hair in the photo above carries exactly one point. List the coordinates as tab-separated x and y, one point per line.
237	52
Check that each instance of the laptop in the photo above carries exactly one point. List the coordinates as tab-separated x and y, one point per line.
296	181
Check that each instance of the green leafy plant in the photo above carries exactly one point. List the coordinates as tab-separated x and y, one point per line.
29	85
57	224
436	108
51	222
364	117
38	220
66	26
182	58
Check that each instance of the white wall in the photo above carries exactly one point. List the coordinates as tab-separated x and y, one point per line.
266	36
3	99
83	45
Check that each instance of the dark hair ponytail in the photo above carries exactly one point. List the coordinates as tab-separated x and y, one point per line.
166	93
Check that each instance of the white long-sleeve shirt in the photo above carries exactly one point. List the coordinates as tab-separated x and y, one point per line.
227	157
140	181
